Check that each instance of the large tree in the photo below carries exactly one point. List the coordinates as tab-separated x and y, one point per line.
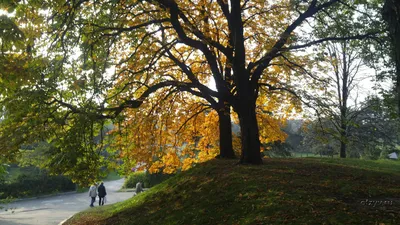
166	44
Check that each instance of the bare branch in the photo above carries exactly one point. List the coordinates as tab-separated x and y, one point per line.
355	37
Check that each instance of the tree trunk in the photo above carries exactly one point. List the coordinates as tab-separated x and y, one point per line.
345	96
342	148
225	134
245	102
343	133
391	14
249	134
343	124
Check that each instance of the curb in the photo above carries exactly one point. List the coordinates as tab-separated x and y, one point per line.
62	222
131	189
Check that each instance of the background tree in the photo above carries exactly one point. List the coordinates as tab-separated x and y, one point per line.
376	132
339	103
27	79
318	137
348	60
347	66
373	132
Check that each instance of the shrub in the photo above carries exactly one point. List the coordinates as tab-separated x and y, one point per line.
277	150
385	153
148	180
136	177
35	184
156	178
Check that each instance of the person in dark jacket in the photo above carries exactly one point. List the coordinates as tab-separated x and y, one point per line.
101	192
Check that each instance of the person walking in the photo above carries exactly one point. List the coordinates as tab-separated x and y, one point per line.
92	194
139	188
102	193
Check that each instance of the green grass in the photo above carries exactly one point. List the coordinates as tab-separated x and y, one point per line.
112	175
80	189
303	155
382	165
310	155
282	191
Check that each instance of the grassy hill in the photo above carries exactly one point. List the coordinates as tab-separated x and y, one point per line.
282	191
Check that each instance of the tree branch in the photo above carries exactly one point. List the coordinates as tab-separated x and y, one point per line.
263	63
355	37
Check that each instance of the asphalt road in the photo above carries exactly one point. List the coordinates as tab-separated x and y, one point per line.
53	210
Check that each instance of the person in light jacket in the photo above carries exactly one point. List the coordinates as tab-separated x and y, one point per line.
102	193
93	194
139	187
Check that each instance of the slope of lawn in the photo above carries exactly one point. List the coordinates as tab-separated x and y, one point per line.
282	191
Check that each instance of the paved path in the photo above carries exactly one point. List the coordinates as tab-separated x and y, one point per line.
53	210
